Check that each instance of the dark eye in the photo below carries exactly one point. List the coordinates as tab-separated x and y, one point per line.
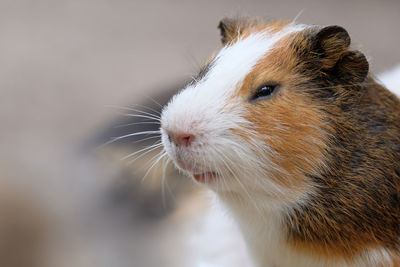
264	91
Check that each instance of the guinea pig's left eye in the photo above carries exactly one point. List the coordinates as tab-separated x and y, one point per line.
264	91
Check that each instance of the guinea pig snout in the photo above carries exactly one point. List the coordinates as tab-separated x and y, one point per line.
180	138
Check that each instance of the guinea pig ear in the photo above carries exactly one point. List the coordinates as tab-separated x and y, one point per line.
331	46
352	67
231	28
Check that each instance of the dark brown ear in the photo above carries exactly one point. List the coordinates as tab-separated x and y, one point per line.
352	67
331	46
231	28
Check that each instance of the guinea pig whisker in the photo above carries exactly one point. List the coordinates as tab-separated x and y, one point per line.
149	108
141	116
155	116
164	183
159	156
139	113
145	139
114	139
154	101
136	123
136	110
158	144
145	152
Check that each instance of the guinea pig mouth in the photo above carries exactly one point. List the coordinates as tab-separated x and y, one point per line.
205	177
200	176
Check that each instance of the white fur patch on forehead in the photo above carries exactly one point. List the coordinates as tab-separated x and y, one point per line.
235	61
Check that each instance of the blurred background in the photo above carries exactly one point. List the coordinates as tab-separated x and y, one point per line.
68	71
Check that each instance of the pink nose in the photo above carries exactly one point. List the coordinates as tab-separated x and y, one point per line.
181	139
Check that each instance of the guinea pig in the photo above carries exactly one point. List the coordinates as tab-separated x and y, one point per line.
286	124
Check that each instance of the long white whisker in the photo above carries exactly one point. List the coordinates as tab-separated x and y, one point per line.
154	101
156	116
160	156
145	153
144	114
141	150
137	110
166	161
149	108
136	123
141	116
134	134
167	186
125	136
144	139
114	139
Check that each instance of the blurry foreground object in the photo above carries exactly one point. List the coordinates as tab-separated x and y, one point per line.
24	227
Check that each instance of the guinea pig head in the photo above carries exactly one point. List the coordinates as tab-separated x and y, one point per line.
251	122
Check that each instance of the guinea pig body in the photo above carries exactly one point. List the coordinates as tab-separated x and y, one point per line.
289	129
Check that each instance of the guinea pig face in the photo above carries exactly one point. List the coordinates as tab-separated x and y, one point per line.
243	126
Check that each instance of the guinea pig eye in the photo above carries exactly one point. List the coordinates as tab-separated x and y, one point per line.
264	91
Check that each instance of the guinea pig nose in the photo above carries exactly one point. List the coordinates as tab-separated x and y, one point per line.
181	139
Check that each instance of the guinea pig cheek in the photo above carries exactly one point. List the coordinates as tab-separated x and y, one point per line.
293	129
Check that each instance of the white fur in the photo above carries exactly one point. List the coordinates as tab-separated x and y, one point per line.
216	241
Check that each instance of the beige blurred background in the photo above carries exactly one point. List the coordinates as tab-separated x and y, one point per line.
63	62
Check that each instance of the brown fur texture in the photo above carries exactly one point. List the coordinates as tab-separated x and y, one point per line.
335	128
